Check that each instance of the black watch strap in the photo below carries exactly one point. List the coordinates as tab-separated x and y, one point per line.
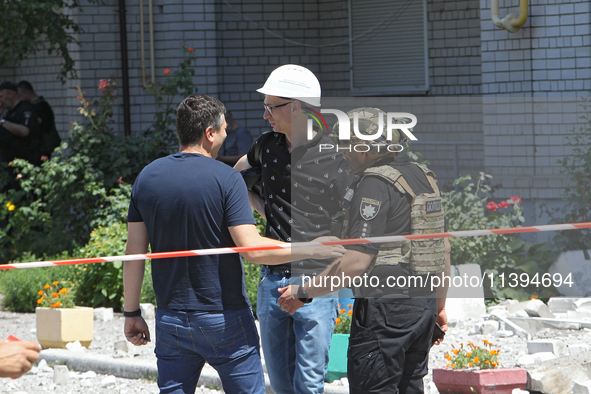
303	296
133	314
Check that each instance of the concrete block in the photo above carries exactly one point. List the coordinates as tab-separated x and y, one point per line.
108	381
556	347
520	313
519	391
582	388
465	302
148	311
574	349
579	315
60	374
504	334
515	307
103	314
583	304
489	327
572	266
562	304
537	308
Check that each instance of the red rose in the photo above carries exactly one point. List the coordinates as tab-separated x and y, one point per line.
492	206
503	204
166	71
516	199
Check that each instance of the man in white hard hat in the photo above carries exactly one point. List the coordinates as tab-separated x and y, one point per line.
298	206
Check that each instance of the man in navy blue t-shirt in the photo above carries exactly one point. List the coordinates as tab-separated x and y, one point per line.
191	201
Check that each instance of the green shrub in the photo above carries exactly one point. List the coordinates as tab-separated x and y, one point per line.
20	286
577	168
470	208
86	182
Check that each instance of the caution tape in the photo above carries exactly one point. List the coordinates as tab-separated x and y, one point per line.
352	241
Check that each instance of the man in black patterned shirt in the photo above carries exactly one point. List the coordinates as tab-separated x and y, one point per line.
303	187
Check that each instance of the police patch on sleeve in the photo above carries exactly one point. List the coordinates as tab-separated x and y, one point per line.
369	208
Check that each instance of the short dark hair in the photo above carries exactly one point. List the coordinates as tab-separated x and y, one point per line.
25	86
195	114
7	85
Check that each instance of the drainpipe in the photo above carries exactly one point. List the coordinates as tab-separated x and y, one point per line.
124	68
152	80
512	23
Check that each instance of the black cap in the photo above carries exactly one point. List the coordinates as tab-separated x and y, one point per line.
7	85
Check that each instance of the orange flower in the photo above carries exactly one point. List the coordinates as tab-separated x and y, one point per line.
58	304
166	71
46	287
54	295
468	354
476	359
55	283
447	365
53	305
469	364
342	311
338	320
493	352
350	305
453	365
494	364
455	351
350	313
40	300
534	297
40	292
64	290
486	362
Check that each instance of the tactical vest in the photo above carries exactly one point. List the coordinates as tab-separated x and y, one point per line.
424	256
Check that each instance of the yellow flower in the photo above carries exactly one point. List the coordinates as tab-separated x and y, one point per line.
11	207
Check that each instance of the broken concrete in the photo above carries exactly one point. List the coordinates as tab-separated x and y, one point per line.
573	267
537	308
555	347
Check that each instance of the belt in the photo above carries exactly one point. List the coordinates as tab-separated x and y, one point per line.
278	270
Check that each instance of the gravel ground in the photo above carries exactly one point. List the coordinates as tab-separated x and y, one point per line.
40	379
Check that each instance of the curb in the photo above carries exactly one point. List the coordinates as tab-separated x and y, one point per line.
131	368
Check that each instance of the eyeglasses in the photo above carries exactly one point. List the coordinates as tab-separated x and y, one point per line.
270	109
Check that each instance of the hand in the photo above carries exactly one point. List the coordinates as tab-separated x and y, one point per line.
17	358
136	330
442	321
326	251
288	301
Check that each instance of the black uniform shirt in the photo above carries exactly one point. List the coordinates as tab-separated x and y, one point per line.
49	135
13	146
303	190
379	208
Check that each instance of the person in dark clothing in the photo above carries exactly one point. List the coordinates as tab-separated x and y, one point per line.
19	131
393	318
237	142
50	138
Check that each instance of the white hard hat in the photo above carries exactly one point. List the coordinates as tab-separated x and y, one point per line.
293	81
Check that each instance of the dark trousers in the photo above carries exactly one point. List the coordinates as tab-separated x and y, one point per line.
389	344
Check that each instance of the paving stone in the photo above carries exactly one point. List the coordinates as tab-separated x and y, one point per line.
556	347
103	314
148	311
537	308
60	374
582	388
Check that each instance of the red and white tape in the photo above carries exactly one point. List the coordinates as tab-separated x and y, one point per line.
352	241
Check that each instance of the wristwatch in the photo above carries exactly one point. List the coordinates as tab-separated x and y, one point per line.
133	313
303	296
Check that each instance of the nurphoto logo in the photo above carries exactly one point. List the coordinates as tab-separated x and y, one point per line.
377	140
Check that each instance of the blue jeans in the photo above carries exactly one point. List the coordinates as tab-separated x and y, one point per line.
295	347
228	341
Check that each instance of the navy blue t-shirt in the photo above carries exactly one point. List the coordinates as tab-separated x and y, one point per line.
187	201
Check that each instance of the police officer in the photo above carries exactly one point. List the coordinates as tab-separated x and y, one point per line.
19	129
394	316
